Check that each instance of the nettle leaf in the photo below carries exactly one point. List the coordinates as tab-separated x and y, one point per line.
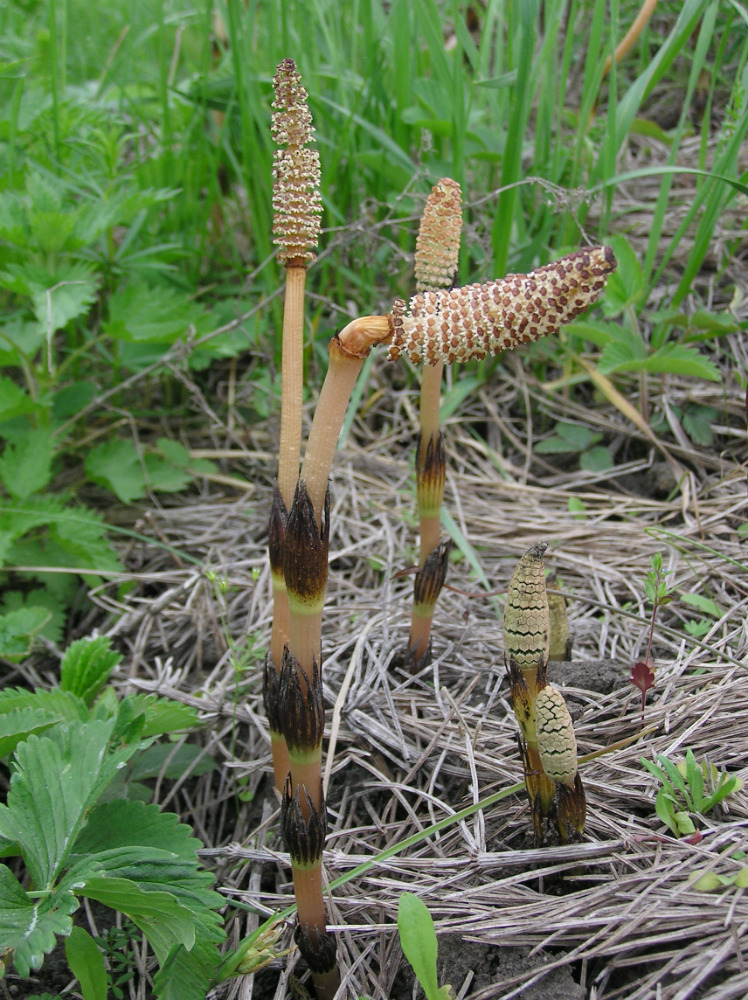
81	533
18	630
49	599
67	298
33	512
14	402
188	975
87	666
58	777
29	927
117	465
26	462
150	314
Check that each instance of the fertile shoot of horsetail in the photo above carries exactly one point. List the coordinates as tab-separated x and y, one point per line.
547	740
437	253
296	222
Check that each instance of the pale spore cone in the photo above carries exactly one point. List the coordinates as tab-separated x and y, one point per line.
438	241
469	323
297	205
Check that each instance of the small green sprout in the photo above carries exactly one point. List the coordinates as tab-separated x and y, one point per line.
688	788
418	941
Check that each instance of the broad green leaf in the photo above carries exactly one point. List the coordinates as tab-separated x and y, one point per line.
678	359
23	713
703	604
18	630
188	975
30	926
65	300
50	598
120	824
87	666
697	423
596	459
14	402
163	920
81	534
87	964
162	476
626	286
418	940
162	715
117	465
71	399
171	761
666	811
19	518
58	777
150	314
26	463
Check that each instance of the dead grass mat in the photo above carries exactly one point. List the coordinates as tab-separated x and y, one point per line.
406	752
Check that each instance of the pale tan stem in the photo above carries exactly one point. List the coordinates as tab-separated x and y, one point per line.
304	640
292	378
328	419
281	621
647	9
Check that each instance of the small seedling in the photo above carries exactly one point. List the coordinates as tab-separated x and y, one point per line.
658	595
688	788
418	940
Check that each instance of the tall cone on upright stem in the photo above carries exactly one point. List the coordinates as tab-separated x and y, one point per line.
296	221
437	253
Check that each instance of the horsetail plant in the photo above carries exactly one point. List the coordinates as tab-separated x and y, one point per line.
437	252
547	740
471	322
296	223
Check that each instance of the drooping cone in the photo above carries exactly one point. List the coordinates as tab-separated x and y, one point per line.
469	323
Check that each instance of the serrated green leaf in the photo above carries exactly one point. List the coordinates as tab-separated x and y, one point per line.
14	402
30	926
171	762
87	666
25	712
121	824
18	630
698	421
156	912
58	777
162	715
86	963
81	534
162	476
146	314
418	941
56	306
26	463
678	359
187	975
117	465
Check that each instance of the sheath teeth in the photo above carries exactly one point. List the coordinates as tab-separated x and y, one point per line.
466	324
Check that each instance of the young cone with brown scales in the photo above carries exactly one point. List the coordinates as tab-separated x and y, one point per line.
296	222
437	252
526	643
547	742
